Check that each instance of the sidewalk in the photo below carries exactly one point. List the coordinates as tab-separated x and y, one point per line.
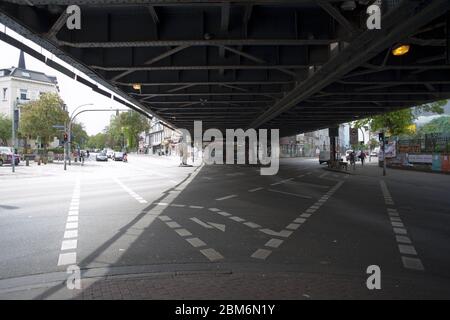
228	285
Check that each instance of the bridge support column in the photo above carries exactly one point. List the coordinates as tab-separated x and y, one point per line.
333	132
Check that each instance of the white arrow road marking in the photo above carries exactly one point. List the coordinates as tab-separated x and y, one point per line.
209	225
219	226
200	222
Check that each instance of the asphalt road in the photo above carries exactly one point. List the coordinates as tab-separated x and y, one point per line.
151	216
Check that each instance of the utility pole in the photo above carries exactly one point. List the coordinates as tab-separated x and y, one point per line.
13	136
382	139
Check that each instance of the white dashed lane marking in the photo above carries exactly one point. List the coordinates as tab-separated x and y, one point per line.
68	255
261	254
404	243
294	225
210	253
290	194
227	197
137	197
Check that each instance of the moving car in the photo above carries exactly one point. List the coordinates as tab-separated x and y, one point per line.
118	156
6	156
101	157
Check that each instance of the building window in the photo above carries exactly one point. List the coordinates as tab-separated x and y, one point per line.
23	94
4	94
25	74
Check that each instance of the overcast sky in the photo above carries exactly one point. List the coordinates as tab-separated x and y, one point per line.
72	92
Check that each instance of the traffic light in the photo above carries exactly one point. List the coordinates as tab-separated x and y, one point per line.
381	136
65	137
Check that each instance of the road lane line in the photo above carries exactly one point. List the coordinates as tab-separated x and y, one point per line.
173	224
407	249
70	234
293	226
255	189
133	194
252	225
72	225
65	259
196	207
237	219
196	242
212	254
71	229
223	213
183	232
205	225
290	194
227	197
404	243
261	254
412	263
281	182
274	243
69	244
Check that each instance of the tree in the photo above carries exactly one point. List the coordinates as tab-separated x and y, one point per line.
38	118
437	125
126	127
5	129
133	123
97	141
399	122
79	135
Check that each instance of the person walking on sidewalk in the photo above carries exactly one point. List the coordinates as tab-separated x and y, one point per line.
362	156
353	159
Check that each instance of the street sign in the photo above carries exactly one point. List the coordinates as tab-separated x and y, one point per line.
59	127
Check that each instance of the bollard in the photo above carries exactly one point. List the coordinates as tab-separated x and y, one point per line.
27	162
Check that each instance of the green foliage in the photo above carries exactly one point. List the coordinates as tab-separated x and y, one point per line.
399	122
437	125
5	129
38	118
123	130
79	135
97	141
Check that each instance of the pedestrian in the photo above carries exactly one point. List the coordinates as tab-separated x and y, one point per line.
362	156
353	159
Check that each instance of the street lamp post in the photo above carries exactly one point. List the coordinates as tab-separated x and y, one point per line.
68	144
13	135
72	118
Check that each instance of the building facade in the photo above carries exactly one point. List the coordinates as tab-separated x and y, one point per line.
161	139
18	86
310	144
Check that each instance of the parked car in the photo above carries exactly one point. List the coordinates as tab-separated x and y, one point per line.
6	156
101	157
118	156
